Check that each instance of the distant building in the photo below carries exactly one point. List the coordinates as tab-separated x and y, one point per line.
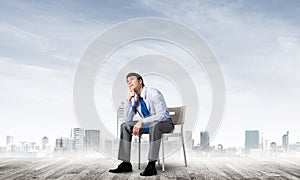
68	144
3	149
273	145
204	140
189	139
92	140
251	140
45	141
9	140
120	117
64	144
285	141
32	146
267	144
108	146
261	145
273	149
220	147
295	146
58	143
78	138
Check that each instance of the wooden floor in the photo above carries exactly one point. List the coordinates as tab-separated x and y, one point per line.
198	168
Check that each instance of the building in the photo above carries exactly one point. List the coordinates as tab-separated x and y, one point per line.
9	140
267	144
108	146
251	140
78	138
189	139
285	141
220	147
58	143
204	140
32	146
92	140
273	147
45	141
64	144
295	146
120	117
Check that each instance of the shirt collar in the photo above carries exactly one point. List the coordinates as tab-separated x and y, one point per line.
143	94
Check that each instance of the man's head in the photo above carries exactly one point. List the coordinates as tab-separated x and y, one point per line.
135	81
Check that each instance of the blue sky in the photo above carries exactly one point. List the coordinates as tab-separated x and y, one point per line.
257	44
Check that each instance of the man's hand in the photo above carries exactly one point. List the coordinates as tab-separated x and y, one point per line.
137	127
131	94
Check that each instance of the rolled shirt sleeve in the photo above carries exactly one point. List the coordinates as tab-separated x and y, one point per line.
130	109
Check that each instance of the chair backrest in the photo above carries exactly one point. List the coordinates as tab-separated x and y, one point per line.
177	114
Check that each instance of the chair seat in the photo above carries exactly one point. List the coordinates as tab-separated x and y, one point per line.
166	135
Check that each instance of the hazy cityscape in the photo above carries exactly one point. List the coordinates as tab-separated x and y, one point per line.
88	141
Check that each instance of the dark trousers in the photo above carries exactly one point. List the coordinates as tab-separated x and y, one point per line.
155	132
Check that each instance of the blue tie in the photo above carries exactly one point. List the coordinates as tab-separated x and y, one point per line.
144	109
145	113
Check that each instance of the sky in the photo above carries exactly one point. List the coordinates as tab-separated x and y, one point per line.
257	44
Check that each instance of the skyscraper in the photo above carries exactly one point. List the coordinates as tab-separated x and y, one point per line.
67	144
64	144
45	141
78	137
120	117
285	141
251	140
108	145
58	144
189	139
92	140
9	140
204	140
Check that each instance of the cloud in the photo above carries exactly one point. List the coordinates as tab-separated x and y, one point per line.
249	39
31	83
41	44
13	34
258	47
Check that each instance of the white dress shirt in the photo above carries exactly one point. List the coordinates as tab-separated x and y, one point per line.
155	103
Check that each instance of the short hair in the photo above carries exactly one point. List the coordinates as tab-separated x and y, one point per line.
136	75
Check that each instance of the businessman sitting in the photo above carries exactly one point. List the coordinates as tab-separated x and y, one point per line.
150	104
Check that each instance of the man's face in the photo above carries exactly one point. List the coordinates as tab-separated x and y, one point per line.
133	83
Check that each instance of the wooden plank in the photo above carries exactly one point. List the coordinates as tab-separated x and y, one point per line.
200	168
20	168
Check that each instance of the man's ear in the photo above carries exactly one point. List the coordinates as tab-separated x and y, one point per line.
140	82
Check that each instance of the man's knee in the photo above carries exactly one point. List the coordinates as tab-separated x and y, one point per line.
161	127
123	125
126	126
154	127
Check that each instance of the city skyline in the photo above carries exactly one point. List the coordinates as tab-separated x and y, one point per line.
257	45
253	139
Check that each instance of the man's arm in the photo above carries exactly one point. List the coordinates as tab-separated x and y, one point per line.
130	107
129	111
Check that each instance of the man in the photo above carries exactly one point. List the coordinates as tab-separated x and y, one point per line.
150	104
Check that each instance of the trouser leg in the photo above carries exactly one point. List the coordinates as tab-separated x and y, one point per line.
155	133
125	140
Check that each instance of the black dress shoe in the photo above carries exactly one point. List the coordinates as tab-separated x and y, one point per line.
123	167
149	171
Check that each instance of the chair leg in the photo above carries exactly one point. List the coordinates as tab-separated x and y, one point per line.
139	165
158	160
184	154
163	154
